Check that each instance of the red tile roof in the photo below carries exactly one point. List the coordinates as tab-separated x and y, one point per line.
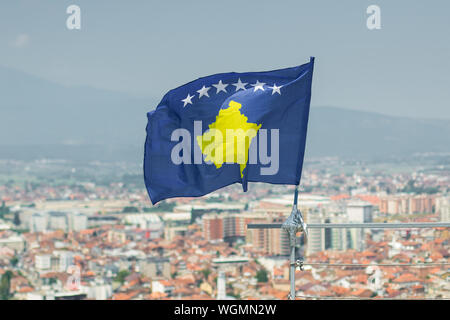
406	277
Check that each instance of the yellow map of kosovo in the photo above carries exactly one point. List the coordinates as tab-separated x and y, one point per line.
229	137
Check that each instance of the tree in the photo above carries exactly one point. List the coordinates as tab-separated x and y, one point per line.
3	209
16	220
161	207
121	275
130	209
14	260
5	285
261	276
206	273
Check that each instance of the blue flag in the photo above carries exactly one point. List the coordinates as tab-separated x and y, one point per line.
228	128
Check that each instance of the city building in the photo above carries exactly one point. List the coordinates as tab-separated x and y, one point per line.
443	208
79	221
43	262
58	221
38	222
13	242
358	212
316	237
213	227
407	204
150	222
97	290
153	267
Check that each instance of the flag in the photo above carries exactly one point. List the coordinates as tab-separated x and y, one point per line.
228	128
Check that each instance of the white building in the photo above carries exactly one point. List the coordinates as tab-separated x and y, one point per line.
147	221
339	236
316	237
38	222
375	280
221	286
395	247
97	291
358	212
13	242
163	286
65	259
43	262
58	221
79	222
443	208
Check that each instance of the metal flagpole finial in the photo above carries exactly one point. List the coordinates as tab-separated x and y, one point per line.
295	220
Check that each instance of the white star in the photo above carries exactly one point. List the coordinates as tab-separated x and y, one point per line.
203	92
240	85
276	89
188	100
258	86
220	86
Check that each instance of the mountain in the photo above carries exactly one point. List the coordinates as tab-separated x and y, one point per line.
34	111
348	133
42	119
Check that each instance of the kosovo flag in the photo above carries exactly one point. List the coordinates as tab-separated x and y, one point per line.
228	128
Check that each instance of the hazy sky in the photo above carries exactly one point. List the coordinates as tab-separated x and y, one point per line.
148	47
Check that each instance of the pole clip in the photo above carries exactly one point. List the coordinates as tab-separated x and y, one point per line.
299	264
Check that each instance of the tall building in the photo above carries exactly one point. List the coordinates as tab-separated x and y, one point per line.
38	222
235	225
269	241
339	236
79	222
221	286
278	239
213	227
226	226
358	212
316	237
229	226
257	237
328	235
66	259
408	204
58	221
443	208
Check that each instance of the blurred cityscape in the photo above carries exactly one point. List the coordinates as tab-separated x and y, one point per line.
73	230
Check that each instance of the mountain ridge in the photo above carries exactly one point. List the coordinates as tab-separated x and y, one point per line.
40	118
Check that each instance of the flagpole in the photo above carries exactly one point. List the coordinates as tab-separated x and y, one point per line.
292	224
292	242
295	221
